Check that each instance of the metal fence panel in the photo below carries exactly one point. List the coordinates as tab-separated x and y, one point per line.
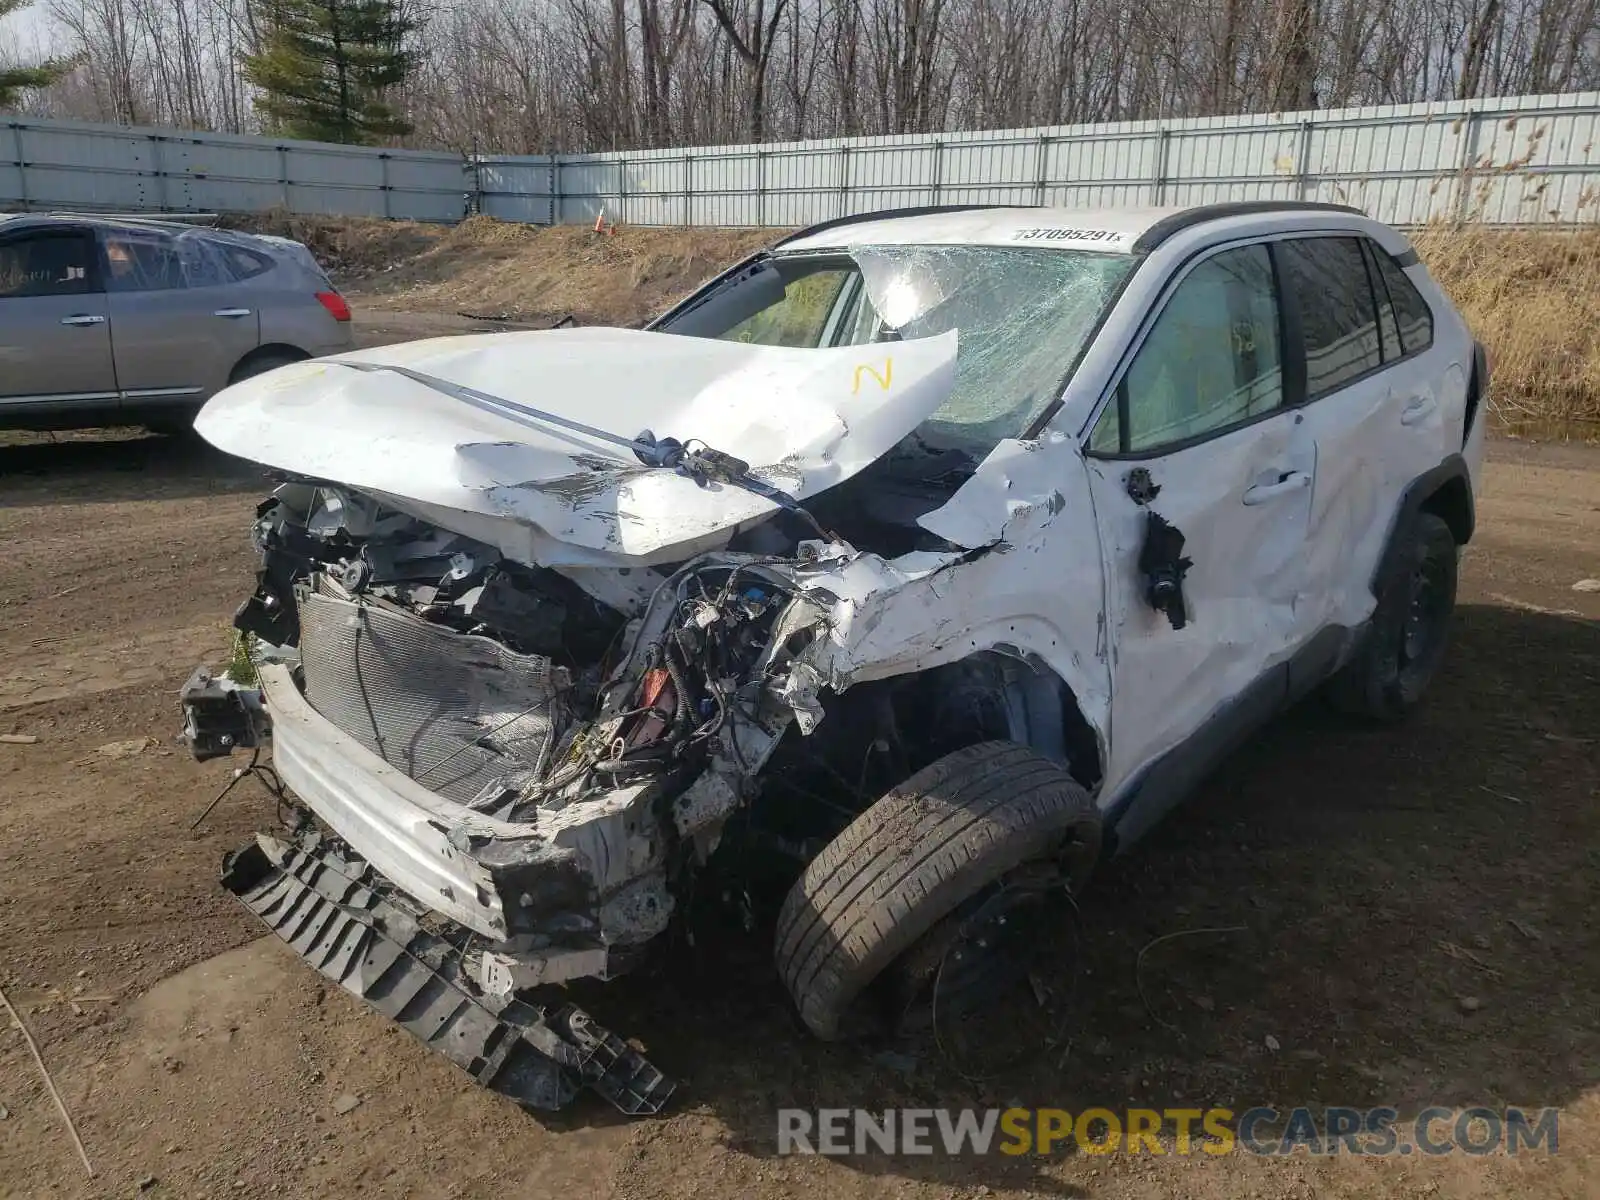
76	165
1516	160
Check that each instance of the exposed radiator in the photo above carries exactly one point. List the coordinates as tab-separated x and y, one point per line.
456	712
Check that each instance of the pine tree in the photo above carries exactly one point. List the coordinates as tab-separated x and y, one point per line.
16	79
325	65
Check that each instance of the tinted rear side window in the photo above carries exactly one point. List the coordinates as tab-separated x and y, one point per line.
242	263
1411	311
1338	315
143	261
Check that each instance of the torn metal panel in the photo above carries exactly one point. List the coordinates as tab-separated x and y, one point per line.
805	420
505	974
1030	583
1008	487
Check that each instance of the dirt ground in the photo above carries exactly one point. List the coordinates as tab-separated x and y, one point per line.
1417	910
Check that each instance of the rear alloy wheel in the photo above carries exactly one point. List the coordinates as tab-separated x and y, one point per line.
927	885
1405	642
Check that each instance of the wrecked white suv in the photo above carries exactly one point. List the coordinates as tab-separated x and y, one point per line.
936	553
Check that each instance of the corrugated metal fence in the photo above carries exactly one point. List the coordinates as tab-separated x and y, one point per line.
78	166
1522	160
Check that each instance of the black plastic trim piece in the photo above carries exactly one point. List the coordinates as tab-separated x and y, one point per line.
1291	334
1409	258
889	214
330	911
1418	492
718	281
1477	388
1167	227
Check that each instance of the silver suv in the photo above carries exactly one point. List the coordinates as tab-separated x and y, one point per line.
122	321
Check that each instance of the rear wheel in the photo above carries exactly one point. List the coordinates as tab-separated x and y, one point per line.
1405	641
931	871
259	364
248	367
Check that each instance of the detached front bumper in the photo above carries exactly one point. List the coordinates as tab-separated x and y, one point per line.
332	913
395	823
556	892
548	899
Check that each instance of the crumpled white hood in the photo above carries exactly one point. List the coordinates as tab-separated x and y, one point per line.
805	420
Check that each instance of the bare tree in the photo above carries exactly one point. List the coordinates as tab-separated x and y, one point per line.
565	75
750	32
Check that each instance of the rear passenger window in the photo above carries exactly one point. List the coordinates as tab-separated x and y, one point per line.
1411	311
1210	361
147	261
1338	315
242	263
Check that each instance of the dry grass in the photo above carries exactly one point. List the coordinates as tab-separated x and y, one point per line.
347	246
538	274
1532	298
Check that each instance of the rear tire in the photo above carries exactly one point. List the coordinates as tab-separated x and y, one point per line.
935	842
1405	641
249	367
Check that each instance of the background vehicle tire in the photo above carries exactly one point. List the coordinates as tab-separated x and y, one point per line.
951	830
260	364
1405	642
247	368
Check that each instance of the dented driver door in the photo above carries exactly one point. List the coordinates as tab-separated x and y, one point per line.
1202	481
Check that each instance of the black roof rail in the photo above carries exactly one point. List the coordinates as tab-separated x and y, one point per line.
1179	221
887	214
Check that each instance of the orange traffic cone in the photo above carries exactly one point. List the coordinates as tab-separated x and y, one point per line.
600	222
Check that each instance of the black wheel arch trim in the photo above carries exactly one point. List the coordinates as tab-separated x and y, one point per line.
1450	481
1477	389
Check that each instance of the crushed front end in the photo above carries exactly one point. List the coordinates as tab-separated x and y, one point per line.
502	780
524	669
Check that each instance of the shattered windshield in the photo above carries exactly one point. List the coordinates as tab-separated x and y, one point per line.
1023	315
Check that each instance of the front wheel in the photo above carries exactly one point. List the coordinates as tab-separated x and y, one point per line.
945	839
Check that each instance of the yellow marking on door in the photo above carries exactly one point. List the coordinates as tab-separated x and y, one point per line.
883	380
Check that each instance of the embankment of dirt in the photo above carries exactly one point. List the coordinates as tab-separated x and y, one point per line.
523	273
1532	297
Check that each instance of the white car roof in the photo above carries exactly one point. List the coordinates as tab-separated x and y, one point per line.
1110	230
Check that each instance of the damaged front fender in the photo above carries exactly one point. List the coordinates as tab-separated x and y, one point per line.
1026	581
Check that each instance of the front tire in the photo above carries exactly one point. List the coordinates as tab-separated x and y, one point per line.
909	861
1405	641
